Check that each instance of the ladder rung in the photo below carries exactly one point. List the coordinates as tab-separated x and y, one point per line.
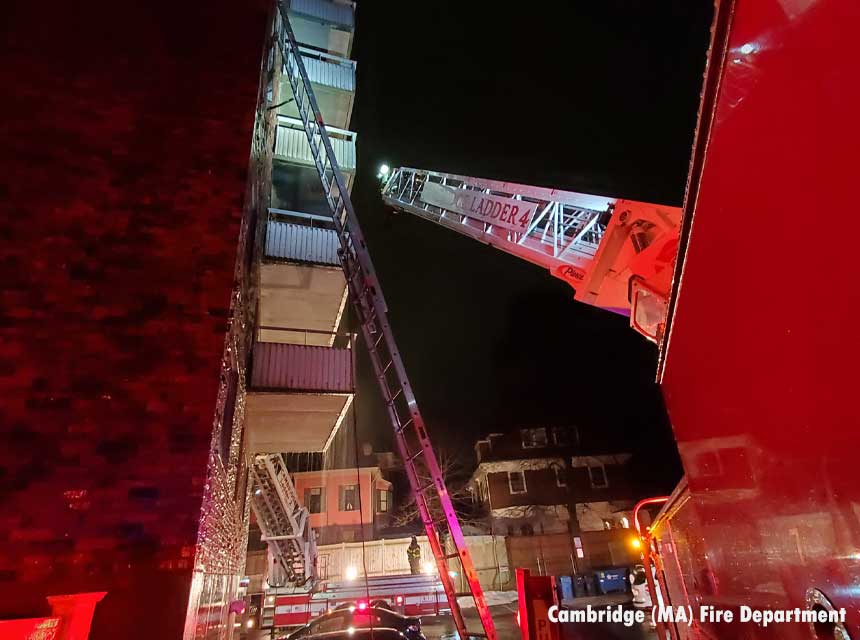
451	556
425	487
404	425
413	456
476	634
462	594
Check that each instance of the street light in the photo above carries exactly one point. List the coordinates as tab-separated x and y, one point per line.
384	170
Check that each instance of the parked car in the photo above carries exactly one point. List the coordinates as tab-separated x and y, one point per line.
356	617
376	633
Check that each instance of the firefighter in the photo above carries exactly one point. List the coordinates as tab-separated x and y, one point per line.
413	552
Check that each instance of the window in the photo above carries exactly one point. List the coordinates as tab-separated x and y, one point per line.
565	436
383	500
625	522
517	481
533	438
348	497
560	477
597	475
315	499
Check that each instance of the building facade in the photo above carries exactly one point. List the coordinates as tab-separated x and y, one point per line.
532	481
345	505
171	301
133	154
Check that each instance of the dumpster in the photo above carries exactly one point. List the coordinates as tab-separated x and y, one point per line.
613	580
565	584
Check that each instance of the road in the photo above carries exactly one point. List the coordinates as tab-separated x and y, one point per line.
442	627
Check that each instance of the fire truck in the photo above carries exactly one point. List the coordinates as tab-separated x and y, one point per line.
418	595
751	293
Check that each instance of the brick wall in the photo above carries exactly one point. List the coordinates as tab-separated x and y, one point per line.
127	134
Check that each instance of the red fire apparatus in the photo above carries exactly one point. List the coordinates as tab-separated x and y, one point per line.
757	344
419	595
757	366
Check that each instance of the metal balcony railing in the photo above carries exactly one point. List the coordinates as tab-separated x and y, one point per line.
291	143
301	237
278	366
341	15
329	70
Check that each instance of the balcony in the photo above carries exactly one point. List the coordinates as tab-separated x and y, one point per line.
323	24
302	284
291	146
298	393
333	80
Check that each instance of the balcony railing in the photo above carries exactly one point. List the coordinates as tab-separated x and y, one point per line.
291	144
278	366
329	70
299	237
324	11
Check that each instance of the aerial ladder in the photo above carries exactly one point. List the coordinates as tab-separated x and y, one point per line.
617	254
283	522
365	293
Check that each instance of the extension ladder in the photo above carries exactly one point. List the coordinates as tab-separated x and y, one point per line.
413	443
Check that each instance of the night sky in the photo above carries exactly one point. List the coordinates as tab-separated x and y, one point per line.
598	97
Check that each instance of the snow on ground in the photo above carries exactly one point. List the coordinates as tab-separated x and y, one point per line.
492	598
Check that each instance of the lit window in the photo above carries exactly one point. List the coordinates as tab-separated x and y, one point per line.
517	481
625	522
597	475
560	477
383	500
348	497
315	499
533	438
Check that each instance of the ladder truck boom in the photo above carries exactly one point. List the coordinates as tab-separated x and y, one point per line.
365	293
617	254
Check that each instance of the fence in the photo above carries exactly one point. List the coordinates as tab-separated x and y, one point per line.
388	557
